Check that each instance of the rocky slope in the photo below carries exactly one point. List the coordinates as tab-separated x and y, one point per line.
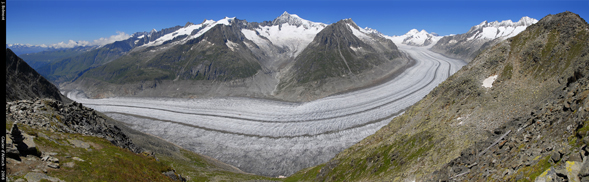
528	124
480	37
23	82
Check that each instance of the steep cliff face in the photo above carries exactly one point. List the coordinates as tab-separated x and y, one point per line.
528	92
23	82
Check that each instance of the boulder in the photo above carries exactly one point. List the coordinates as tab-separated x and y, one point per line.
24	142
35	177
572	171
11	150
555	156
547	176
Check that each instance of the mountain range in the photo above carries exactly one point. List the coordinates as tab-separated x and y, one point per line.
482	36
289	58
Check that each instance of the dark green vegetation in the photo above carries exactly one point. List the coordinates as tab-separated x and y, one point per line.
454	133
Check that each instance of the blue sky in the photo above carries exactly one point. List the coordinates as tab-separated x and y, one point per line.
49	22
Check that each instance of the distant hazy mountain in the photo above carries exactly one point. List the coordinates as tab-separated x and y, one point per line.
416	38
39	59
19	49
232	57
466	46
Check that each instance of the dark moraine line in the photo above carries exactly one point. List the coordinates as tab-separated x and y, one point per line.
259	136
295	121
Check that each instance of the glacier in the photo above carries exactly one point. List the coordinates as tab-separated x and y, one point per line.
272	138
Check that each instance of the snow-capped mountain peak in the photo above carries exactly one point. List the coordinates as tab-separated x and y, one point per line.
527	21
288	31
188	29
504	29
295	20
416	38
524	21
226	21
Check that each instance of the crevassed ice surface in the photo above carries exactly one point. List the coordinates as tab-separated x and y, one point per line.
274	138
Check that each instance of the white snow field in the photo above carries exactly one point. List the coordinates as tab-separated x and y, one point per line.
273	138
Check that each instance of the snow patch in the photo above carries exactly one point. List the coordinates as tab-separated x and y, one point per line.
488	82
232	45
360	34
356	49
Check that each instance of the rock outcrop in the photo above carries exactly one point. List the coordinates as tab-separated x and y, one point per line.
23	82
68	118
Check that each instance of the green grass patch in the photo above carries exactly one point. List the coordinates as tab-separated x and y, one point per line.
308	174
534	171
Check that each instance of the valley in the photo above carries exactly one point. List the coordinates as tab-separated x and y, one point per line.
270	137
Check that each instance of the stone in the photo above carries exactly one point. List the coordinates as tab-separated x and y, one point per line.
584	171
69	164
35	177
575	156
11	150
555	156
53	159
172	175
79	143
572	171
53	165
78	159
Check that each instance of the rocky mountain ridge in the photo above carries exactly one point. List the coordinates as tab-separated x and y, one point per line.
466	46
